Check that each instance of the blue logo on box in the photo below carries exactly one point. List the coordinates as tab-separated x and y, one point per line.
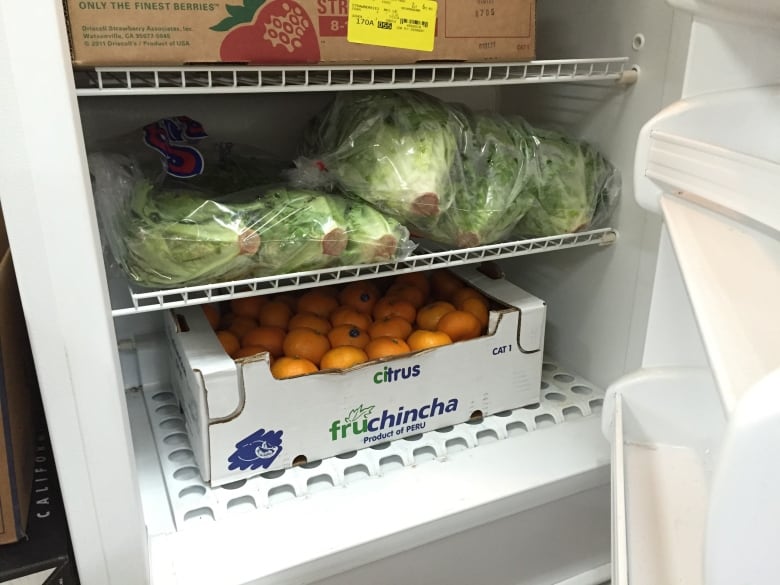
260	449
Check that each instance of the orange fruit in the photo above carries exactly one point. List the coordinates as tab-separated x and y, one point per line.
383	283
266	336
240	325
226	319
317	302
418	279
422	339
287	367
386	346
477	308
464	293
247	306
249	350
213	315
274	314
389	307
429	315
407	292
310	320
460	325
348	335
340	358
346	315
329	290
444	284
229	341
361	296
305	343
390	327
288	299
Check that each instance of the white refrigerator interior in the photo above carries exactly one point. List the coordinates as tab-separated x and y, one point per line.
648	457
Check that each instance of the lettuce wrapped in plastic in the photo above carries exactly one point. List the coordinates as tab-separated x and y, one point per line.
176	238
164	235
373	236
395	150
492	191
306	230
576	188
451	175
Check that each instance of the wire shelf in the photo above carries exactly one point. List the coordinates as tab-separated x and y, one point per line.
105	81
156	300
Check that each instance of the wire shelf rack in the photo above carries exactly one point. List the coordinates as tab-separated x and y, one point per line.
141	300
106	81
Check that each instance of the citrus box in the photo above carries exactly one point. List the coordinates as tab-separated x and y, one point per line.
285	32
242	421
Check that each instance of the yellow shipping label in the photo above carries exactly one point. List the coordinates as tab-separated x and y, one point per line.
402	24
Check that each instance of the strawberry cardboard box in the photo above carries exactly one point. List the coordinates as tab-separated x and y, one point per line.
289	32
242	421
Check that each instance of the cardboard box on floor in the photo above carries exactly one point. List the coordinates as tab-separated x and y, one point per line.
19	410
242	421
284	32
45	556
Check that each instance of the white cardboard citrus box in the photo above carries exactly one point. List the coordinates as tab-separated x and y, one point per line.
242	421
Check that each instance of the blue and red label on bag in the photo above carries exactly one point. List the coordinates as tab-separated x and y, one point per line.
174	138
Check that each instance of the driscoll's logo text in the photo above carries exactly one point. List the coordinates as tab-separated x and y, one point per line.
395	374
406	420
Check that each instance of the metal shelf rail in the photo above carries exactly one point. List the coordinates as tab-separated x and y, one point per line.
155	300
112	81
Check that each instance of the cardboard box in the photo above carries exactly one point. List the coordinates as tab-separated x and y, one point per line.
45	557
242	421
19	405
256	32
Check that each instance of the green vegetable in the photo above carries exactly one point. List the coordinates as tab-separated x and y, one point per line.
575	187
170	237
491	193
453	176
301	230
179	238
450	175
392	149
373	237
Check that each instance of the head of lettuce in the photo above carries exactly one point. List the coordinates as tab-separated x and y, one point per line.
452	175
167	234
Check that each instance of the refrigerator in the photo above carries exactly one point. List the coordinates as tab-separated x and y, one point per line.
649	456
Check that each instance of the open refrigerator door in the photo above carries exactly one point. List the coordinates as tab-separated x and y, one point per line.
693	489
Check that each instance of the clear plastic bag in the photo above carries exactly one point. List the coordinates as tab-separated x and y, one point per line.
395	150
169	230
576	188
454	176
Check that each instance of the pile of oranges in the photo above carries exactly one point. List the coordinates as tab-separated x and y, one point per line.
337	327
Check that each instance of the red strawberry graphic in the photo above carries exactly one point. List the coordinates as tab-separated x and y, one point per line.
281	33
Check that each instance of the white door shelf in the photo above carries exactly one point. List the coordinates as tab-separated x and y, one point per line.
716	186
138	300
666	426
395	497
108	81
688	149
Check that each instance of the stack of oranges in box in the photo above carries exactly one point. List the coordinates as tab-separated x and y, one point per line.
338	327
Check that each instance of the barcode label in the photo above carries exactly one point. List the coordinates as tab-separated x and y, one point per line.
413	22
